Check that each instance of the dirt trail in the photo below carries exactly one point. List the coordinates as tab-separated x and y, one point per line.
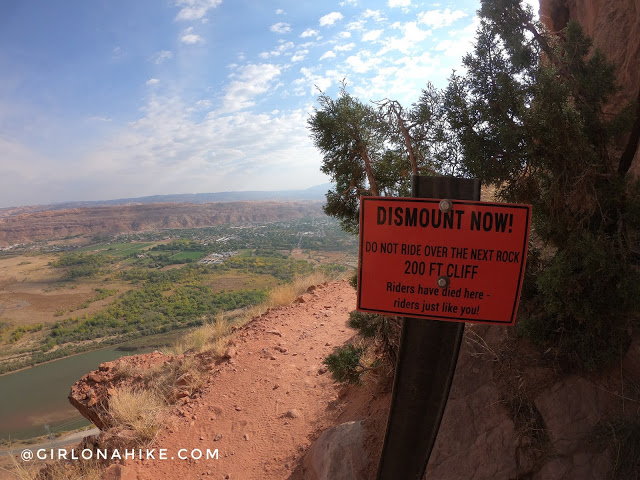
263	408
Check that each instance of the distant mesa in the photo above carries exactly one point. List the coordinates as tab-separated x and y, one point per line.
309	194
28	224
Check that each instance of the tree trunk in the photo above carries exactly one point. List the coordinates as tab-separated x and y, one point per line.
407	139
373	186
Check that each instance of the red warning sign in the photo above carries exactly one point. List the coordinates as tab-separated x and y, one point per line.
459	261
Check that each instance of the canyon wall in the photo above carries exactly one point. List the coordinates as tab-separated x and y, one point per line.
614	26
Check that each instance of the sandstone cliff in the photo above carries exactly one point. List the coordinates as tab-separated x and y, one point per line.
614	26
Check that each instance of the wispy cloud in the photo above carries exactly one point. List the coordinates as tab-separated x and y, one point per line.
330	19
280	27
345	48
117	53
329	54
371	35
215	153
309	32
399	3
152	81
250	81
195	9
190	38
439	18
162	56
299	55
282	48
374	15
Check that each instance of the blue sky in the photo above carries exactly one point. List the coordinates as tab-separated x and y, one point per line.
107	99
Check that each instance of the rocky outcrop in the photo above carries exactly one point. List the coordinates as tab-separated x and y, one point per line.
90	395
614	26
513	414
338	454
58	224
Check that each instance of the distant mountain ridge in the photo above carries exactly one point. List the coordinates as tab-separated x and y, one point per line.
118	219
309	194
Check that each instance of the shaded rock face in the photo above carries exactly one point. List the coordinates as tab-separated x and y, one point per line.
511	414
614	26
338	454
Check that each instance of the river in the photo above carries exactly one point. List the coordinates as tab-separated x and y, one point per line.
33	398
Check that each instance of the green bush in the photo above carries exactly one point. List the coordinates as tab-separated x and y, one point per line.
344	364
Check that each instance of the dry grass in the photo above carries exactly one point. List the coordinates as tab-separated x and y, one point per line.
209	337
166	380
285	294
21	470
57	470
138	410
212	336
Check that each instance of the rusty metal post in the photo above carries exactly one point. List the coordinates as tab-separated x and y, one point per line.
425	367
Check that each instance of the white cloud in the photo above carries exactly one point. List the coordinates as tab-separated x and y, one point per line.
195	9
344	48
357	25
98	118
402	80
152	81
217	153
252	80
344	35
282	48
280	27
329	54
299	56
438	18
353	3
371	35
312	81
330	19
461	41
399	3
412	36
117	53
309	32
373	14
191	38
279	11
363	62
162	56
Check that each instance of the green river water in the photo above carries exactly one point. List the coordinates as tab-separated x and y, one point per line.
35	397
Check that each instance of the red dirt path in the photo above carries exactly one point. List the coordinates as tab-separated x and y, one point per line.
263	408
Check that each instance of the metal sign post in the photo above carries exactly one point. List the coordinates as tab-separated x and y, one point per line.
424	370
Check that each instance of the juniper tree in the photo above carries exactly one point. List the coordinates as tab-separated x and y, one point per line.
531	114
371	150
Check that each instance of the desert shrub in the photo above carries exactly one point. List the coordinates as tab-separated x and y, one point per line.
344	364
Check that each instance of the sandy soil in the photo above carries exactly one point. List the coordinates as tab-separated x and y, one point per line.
31	291
263	408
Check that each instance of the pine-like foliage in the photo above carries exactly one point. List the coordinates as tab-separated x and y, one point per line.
531	114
